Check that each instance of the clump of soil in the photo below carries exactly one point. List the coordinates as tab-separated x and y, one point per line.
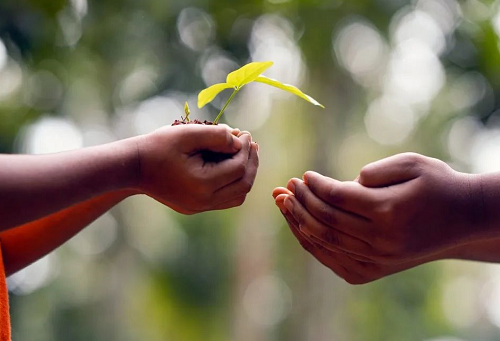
183	121
207	155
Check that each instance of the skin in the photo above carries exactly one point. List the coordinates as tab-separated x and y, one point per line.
60	194
400	212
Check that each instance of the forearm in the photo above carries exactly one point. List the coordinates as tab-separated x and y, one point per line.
34	186
25	244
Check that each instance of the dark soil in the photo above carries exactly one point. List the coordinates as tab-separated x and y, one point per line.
183	121
207	155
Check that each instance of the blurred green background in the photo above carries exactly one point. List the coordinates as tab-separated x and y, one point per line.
395	75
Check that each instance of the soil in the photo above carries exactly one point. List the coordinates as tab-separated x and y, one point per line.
207	155
183	121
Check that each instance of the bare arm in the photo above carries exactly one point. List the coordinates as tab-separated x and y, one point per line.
25	244
34	186
168	165
51	204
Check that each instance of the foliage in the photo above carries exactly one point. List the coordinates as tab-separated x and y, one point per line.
251	72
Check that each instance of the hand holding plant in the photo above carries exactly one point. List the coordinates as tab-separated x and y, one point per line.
173	169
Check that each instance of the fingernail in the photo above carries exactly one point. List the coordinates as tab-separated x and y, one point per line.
289	204
291	186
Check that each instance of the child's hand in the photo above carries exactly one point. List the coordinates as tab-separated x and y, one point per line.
402	209
174	171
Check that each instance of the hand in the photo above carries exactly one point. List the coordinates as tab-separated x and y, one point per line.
173	169
352	270
403	209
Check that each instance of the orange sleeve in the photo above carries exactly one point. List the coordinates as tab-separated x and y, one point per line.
4	304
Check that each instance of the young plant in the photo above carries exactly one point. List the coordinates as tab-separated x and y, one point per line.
187	112
238	79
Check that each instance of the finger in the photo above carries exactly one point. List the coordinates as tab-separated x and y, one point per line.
351	224
243	185
229	170
304	241
219	139
243	132
322	255
326	245
349	196
392	170
280	190
351	270
330	238
341	264
234	131
316	241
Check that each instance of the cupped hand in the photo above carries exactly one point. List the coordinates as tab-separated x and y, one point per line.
352	270
401	211
174	171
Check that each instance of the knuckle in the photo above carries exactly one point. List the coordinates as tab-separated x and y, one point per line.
412	160
411	157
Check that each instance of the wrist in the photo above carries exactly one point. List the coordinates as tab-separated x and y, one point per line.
127	168
472	221
484	198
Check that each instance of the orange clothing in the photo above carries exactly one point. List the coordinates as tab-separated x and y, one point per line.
4	304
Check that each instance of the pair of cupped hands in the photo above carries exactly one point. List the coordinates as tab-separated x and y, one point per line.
398	213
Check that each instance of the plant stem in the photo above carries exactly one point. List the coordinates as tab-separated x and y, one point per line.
225	105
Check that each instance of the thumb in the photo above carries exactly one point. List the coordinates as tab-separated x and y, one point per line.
219	139
392	170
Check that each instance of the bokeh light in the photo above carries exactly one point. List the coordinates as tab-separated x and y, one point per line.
196	28
51	135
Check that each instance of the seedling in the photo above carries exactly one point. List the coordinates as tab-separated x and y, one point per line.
187	112
236	80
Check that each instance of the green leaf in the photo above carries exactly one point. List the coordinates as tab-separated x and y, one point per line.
290	88
247	73
187	111
207	95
